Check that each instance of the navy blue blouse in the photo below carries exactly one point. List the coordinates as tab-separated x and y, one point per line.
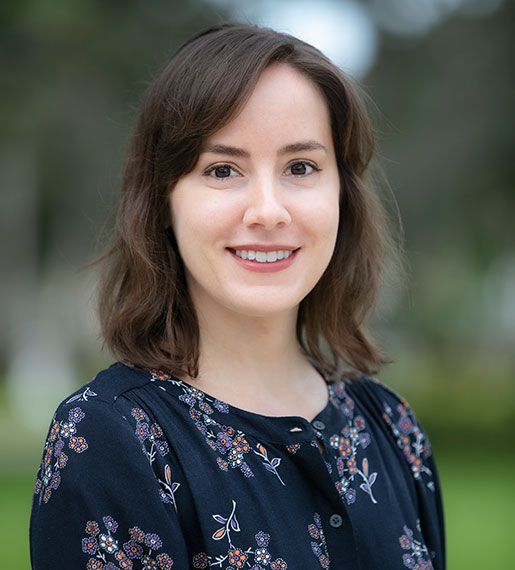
141	470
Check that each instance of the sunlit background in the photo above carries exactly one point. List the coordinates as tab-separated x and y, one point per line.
441	76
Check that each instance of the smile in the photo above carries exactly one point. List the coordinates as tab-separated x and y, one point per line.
263	256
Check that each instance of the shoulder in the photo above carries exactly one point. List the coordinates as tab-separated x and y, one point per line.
394	416
90	427
97	410
109	384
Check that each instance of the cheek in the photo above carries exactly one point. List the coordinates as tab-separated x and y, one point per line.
199	220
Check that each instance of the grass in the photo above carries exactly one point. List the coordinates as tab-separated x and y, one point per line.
479	496
479	502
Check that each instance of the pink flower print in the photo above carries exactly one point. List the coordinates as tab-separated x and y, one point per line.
221	406
89	545
162	448
133	549
142	431
75	415
153	541
223	441
350	496
110	524
405	425
56	480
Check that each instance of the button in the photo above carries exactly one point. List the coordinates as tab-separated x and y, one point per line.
335	521
317	424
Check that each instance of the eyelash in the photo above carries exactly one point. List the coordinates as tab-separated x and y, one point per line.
307	163
304	163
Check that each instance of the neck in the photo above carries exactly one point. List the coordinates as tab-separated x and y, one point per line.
248	353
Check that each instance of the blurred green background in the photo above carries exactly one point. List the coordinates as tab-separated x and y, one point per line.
441	75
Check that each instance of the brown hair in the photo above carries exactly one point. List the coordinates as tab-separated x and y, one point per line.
146	314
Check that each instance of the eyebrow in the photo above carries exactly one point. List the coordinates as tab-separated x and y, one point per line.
287	149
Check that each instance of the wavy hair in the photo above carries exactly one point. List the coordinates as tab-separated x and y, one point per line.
146	314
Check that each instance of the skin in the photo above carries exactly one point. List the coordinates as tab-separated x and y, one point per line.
251	186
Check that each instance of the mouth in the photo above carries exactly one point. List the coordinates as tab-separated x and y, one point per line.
258	256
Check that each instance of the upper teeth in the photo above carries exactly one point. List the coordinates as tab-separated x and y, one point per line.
263	256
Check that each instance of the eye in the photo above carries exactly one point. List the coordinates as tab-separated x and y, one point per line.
302	168
220	171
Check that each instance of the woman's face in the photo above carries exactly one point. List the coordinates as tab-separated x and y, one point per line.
256	219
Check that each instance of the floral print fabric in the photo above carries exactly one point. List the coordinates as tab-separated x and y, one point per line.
141	470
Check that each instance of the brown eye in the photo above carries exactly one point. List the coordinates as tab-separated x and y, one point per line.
223	171
302	168
299	169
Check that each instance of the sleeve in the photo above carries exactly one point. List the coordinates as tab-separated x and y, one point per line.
97	502
413	446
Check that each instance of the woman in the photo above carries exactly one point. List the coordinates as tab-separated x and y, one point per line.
248	254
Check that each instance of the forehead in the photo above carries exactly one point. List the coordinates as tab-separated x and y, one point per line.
284	106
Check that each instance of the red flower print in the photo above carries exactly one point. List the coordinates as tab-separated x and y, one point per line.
344	447
137	534
241	444
351	465
138	414
222	464
359	423
164	561
54	432
313	531
92	528
159	375
278	564
405	542
200	560
237	557
78	444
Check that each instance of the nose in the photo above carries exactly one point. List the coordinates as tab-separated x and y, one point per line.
266	205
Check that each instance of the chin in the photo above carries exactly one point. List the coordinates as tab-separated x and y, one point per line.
264	305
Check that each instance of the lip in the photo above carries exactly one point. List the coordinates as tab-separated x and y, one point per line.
264	267
262	247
